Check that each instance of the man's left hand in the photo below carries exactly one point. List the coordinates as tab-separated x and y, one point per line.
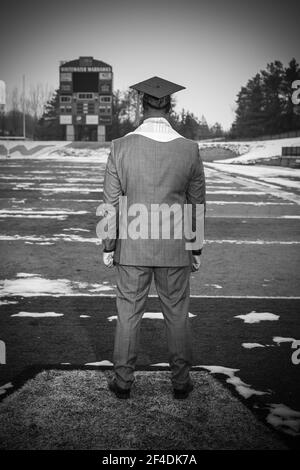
108	259
196	263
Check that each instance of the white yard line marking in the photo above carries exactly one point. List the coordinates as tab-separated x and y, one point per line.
220	187
55	238
206	296
74	200
77	238
254	242
234	192
251	203
60	189
29	211
33	216
193	296
267	216
257	184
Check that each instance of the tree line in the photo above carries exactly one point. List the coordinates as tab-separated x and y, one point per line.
42	117
11	123
263	107
264	104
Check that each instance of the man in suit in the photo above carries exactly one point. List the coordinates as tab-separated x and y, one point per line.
154	168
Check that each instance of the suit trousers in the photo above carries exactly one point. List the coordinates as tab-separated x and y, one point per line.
173	288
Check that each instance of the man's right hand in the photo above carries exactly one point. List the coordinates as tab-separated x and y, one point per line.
196	263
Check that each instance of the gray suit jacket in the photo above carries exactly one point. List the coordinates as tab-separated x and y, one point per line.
149	172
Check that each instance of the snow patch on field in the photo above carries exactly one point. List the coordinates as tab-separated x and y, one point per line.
99	155
284	419
24	275
216	286
241	387
280	339
35	285
220	370
5	387
34	216
8	302
37	314
58	151
99	363
256	317
148	315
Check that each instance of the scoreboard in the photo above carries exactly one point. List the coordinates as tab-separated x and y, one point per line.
85	98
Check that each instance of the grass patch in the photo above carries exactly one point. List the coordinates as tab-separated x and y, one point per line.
75	410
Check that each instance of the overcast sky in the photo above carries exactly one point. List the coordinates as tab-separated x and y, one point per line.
211	47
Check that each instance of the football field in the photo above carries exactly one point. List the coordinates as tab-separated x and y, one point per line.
57	301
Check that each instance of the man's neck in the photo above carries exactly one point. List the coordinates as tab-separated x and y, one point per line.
155	114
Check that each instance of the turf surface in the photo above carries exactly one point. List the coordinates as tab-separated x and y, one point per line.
75	410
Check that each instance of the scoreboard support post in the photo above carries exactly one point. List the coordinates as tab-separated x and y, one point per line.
101	133
70	132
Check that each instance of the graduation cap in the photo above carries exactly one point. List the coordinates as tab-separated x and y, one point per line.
156	91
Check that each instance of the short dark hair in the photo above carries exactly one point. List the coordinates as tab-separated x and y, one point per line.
165	107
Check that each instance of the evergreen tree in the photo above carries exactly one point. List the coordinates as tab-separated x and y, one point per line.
48	126
273	98
264	105
250	114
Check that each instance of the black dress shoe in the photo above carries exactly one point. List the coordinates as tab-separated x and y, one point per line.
118	391
182	393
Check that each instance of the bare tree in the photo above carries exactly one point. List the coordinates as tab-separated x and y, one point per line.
14	100
36	99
